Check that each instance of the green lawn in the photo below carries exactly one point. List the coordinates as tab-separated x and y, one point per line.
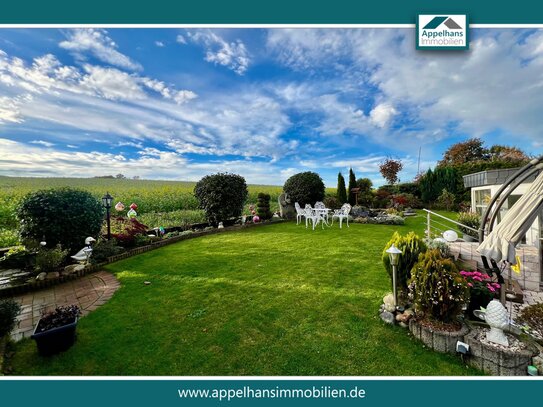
275	300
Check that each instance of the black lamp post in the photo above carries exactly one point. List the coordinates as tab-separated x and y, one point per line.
106	202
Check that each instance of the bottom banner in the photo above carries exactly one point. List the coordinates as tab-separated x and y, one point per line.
180	392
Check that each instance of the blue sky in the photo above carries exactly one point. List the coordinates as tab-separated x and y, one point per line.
263	103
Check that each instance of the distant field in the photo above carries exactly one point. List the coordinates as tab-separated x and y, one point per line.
160	203
150	196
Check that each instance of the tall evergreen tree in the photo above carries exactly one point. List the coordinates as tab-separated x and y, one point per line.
352	184
341	192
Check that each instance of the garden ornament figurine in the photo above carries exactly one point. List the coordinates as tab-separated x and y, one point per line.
495	315
84	254
132	212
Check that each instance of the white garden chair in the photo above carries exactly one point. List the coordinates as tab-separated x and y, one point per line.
322	209
341	214
299	212
311	215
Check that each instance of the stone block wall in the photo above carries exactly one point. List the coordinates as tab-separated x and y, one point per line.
530	276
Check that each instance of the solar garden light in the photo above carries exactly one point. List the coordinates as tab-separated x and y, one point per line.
106	203
394	254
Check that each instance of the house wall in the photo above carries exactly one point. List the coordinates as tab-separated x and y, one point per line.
529	278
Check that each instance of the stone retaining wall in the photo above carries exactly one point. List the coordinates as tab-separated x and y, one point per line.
501	362
530	276
440	341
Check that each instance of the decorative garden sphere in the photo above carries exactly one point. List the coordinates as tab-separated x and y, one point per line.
256	219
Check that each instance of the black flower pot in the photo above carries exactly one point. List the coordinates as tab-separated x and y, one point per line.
55	340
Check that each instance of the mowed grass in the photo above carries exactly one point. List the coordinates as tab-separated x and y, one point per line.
274	300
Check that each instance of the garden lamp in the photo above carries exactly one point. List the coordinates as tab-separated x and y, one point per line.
394	254
106	203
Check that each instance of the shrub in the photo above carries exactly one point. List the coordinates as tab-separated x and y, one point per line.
404	200
9	310
383	197
331	202
263	206
18	257
443	247
446	199
221	196
125	230
411	245
471	219
8	238
304	188
437	288
103	249
532	316
62	216
48	260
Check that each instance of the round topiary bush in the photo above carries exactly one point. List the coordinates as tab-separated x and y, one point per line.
221	196
263	206
304	188
62	216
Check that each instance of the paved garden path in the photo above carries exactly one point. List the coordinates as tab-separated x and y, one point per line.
89	292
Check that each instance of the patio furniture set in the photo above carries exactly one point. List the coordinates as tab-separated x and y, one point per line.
321	214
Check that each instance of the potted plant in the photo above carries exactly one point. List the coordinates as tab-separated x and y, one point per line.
481	289
56	331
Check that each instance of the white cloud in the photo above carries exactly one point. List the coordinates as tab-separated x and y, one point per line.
179	96
43	143
159	44
180	39
111	83
495	87
382	114
9	110
97	43
303	49
233	55
151	163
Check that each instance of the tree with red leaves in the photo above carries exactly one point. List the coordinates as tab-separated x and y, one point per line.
389	170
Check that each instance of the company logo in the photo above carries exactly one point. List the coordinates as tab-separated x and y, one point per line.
439	31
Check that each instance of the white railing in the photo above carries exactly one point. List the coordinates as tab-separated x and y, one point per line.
436	228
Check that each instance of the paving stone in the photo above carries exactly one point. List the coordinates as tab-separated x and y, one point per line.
89	292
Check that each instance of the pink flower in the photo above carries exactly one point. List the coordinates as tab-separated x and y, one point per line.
470	285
